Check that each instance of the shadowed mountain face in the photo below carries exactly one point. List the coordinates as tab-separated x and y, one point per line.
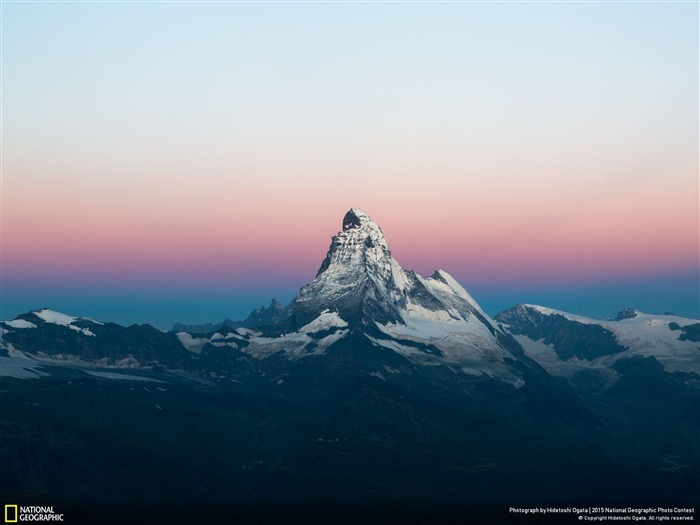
375	384
568	338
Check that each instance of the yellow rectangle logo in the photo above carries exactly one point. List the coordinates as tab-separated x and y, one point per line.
11	513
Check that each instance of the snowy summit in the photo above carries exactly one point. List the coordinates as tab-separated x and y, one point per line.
361	280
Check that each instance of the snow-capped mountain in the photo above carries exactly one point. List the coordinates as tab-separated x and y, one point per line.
428	320
361	281
566	344
362	294
359	290
374	384
45	338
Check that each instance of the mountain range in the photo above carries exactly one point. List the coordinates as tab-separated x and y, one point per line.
375	385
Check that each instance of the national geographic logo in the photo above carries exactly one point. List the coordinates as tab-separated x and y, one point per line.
10	513
24	514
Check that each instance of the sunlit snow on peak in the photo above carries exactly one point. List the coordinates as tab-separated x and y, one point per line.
325	321
55	317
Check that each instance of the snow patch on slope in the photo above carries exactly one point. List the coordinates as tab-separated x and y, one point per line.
20	367
468	346
55	317
192	344
85	331
295	345
650	335
571	317
325	321
415	354
19	323
300	344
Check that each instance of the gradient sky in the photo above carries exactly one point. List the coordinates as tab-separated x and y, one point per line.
188	162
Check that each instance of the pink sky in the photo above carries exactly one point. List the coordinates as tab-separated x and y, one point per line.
218	234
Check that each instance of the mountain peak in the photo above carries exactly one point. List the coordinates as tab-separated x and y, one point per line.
354	277
356	218
360	243
361	281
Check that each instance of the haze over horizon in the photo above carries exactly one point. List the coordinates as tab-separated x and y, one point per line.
183	162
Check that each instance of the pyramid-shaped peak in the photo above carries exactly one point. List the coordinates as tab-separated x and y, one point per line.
361	281
356	218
